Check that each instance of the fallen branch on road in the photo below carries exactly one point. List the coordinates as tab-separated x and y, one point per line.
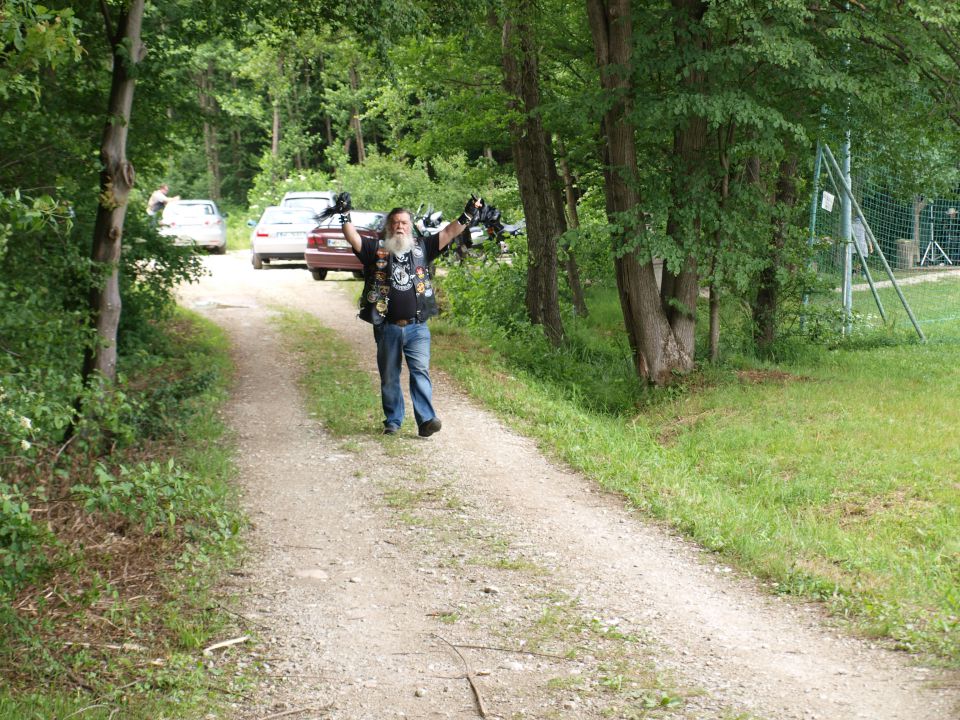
295	711
469	675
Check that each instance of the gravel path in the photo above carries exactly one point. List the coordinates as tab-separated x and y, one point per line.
391	576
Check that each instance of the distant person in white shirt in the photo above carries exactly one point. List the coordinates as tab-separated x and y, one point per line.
159	199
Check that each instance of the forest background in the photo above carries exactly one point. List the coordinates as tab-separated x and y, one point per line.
683	131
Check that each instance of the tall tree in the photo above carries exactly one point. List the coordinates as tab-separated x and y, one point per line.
535	168
573	216
679	286
657	354
210	111
116	180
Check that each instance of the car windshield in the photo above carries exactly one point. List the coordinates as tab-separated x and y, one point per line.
286	216
312	203
184	211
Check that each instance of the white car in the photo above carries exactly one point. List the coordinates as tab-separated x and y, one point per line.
280	234
316	200
195	222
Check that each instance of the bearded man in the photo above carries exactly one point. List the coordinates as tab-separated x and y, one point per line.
398	299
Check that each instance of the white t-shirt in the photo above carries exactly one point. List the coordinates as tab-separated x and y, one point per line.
156	202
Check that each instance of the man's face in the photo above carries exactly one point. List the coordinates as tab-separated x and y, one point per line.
400	224
399	236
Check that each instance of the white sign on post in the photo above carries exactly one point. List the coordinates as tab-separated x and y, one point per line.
827	202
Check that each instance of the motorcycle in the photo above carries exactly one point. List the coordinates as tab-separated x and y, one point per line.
491	239
429	222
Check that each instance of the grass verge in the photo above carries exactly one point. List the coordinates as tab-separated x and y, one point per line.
135	540
834	476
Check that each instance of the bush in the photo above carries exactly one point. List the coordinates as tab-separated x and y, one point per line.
148	494
487	294
21	541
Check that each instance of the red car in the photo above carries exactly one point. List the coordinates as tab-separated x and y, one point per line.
327	248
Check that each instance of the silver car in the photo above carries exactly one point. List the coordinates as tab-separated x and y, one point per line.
280	234
195	222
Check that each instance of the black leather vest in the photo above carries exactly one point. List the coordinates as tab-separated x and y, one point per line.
376	285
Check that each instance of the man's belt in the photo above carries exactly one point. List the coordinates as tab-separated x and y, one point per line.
402	323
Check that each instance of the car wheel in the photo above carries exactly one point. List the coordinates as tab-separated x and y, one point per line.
222	250
318	274
257	262
358	274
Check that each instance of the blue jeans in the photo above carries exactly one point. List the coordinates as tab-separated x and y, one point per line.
393	344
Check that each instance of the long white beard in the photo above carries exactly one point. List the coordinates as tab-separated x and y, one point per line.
398	244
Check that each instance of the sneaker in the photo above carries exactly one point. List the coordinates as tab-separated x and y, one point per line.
390	430
429	427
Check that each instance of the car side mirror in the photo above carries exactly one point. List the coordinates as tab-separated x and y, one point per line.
251	223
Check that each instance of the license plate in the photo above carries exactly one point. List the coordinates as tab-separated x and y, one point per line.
337	243
292	236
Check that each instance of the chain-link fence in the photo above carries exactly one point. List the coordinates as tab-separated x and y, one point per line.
917	234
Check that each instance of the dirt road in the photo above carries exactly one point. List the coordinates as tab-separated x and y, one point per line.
465	575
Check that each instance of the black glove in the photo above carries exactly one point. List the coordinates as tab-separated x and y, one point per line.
341	205
470	211
489	216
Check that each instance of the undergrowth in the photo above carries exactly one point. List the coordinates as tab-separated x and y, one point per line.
109	558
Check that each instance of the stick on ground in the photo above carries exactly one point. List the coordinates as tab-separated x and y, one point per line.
469	674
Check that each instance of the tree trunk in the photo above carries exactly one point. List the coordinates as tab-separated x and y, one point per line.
768	286
573	272
679	291
209	109
355	119
116	180
327	123
235	142
714	323
724	141
536	169
919	203
656	353
291	114
275	143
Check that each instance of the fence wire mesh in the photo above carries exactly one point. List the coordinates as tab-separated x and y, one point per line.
918	233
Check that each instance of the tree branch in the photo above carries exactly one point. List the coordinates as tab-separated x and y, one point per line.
108	23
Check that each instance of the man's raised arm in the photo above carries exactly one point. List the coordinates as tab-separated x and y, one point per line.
447	235
342	206
350	232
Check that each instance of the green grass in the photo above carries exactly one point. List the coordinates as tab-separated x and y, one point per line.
834	477
238	232
346	401
934	303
